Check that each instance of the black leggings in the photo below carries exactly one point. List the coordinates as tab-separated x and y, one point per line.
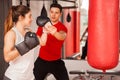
57	68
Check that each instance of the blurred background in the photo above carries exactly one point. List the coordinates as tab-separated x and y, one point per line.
77	26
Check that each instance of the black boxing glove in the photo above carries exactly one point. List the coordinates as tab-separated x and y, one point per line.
30	41
42	20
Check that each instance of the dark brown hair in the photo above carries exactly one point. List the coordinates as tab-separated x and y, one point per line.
13	15
57	6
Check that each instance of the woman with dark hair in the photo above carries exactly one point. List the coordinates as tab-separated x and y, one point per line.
18	50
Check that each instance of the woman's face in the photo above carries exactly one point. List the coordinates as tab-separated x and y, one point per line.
28	19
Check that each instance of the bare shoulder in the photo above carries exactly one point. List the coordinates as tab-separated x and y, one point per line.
10	35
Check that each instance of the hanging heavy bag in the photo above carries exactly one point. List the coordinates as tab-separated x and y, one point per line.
55	2
103	38
42	19
68	17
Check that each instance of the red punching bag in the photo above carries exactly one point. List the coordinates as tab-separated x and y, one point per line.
103	33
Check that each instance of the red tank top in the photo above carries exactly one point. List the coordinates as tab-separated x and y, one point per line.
52	50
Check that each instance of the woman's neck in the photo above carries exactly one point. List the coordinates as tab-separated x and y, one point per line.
20	28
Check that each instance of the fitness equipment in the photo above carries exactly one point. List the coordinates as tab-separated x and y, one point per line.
30	41
68	17
21	2
94	75
55	2
28	3
103	38
42	19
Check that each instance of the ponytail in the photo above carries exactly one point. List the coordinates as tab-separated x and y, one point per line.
13	15
8	24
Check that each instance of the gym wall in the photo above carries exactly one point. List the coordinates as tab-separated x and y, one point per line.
4	6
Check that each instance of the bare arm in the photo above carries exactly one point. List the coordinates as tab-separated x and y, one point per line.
10	52
61	35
